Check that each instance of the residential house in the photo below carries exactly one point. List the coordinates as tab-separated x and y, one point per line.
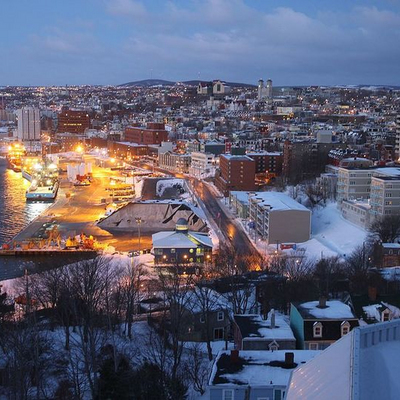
252	332
254	375
318	324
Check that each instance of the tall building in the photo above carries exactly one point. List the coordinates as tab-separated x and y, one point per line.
265	92
153	133
397	149
28	124
73	121
236	173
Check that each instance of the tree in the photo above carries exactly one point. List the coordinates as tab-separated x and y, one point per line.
328	271
197	368
357	267
386	228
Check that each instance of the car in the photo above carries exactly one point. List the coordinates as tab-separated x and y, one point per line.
133	253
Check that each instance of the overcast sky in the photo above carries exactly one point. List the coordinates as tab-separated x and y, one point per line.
293	42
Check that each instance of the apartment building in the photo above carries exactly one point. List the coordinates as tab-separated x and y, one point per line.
73	121
153	133
353	184
235	173
174	162
278	218
267	162
385	195
202	164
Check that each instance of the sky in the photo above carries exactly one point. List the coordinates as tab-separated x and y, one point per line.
292	42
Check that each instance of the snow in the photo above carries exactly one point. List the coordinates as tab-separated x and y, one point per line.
164	184
335	310
327	376
279	201
379	371
332	235
258	373
372	311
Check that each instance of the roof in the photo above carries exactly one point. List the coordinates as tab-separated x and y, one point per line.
204	299
278	201
256	368
236	157
253	327
363	365
335	310
181	240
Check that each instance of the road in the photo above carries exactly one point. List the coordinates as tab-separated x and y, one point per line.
232	233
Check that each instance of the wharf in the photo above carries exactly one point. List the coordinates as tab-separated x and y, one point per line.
45	252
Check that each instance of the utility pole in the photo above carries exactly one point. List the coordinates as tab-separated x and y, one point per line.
138	221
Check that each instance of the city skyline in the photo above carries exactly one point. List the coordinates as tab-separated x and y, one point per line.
117	41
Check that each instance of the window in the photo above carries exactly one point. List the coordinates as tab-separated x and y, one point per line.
317	329
202	319
385	315
313	346
279	394
173	250
218	333
220	316
227	394
345	328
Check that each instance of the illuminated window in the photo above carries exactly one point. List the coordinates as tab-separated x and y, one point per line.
345	328
317	329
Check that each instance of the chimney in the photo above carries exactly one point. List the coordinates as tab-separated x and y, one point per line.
289	359
234	356
322	302
372	293
272	319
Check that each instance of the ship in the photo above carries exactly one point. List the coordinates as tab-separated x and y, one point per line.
14	156
38	192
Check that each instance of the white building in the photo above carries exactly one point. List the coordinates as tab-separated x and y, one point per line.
353	184
278	218
265	91
362	365
202	164
28	124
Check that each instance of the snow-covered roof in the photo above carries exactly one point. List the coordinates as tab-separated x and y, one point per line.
257	369
203	300
172	239
253	327
278	201
334	309
391	245
390	171
362	365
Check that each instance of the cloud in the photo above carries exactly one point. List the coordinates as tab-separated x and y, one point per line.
127	8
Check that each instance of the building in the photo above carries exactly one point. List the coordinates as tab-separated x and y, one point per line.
397	147
202	164
306	159
235	173
202	314
28	128
251	332
126	150
278	218
269	163
73	121
264	91
363	365
353	184
174	162
357	211
254	375
153	133
181	247
239	201
318	324
385	195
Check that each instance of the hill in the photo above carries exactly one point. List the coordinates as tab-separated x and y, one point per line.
161	82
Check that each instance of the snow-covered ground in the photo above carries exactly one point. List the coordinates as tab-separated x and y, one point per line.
331	234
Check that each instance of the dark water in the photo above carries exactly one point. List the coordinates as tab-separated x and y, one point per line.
15	212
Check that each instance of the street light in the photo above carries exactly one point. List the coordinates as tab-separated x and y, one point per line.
138	221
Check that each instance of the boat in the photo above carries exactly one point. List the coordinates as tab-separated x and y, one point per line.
14	156
42	193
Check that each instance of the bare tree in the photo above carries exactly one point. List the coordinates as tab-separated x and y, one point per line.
386	228
197	368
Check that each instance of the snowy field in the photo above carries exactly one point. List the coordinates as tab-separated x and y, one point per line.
331	235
